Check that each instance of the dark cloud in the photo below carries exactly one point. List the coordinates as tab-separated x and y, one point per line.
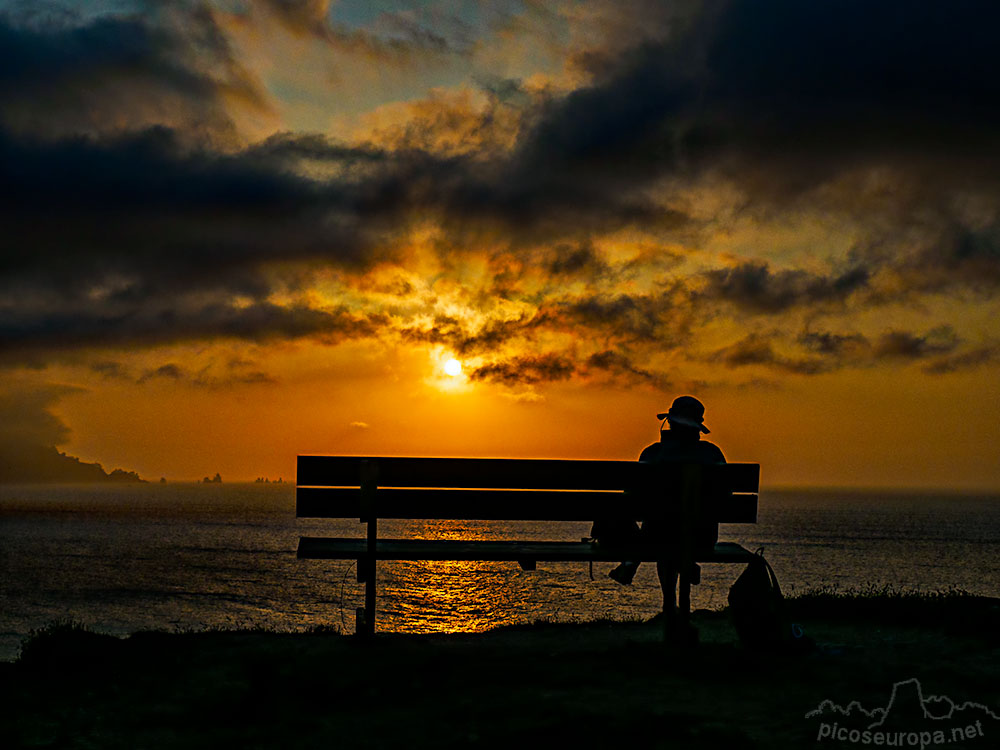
908	346
169	371
784	98
209	374
621	366
144	221
754	287
496	333
138	325
406	28
958	257
300	16
631	317
256	377
396	38
969	360
26	417
121	220
834	351
109	369
833	344
659	320
169	65
206	377
758	350
580	259
147	218
465	340
847	77
827	351
526	370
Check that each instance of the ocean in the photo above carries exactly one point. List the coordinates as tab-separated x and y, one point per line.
125	558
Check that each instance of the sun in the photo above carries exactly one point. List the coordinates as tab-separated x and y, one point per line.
453	367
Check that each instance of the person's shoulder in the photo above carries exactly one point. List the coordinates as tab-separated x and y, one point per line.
650	452
712	451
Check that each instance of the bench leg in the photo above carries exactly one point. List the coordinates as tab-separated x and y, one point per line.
369	623
364	617
369	480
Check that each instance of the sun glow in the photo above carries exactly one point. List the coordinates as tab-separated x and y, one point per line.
453	368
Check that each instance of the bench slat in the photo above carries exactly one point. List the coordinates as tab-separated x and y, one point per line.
508	473
352	548
498	505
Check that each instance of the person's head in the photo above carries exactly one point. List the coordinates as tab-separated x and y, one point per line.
686	414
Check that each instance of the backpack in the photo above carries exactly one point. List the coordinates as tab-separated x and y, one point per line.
757	608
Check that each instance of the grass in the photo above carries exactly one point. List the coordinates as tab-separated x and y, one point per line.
951	609
596	683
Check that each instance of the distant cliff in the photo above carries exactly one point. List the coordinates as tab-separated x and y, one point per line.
35	463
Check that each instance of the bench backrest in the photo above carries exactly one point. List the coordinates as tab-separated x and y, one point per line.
499	489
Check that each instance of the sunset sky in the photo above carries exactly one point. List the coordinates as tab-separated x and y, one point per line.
239	230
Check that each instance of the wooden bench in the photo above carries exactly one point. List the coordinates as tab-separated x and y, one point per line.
373	488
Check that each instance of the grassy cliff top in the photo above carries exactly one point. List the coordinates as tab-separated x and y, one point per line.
596	682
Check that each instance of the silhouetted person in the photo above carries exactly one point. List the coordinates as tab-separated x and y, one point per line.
681	443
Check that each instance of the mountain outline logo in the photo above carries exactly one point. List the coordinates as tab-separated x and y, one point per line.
882	713
909	718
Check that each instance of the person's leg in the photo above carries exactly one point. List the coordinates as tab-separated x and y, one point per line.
676	629
626	534
667	573
656	533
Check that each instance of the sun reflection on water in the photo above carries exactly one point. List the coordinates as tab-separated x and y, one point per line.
424	596
457	596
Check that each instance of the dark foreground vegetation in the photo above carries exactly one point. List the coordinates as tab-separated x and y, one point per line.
600	684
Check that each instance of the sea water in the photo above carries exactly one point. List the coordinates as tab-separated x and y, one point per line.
123	558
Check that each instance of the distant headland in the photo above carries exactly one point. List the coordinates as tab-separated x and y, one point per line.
46	464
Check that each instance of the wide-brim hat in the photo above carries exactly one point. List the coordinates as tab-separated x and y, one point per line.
688	411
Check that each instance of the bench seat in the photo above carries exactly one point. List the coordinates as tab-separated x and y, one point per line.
356	548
